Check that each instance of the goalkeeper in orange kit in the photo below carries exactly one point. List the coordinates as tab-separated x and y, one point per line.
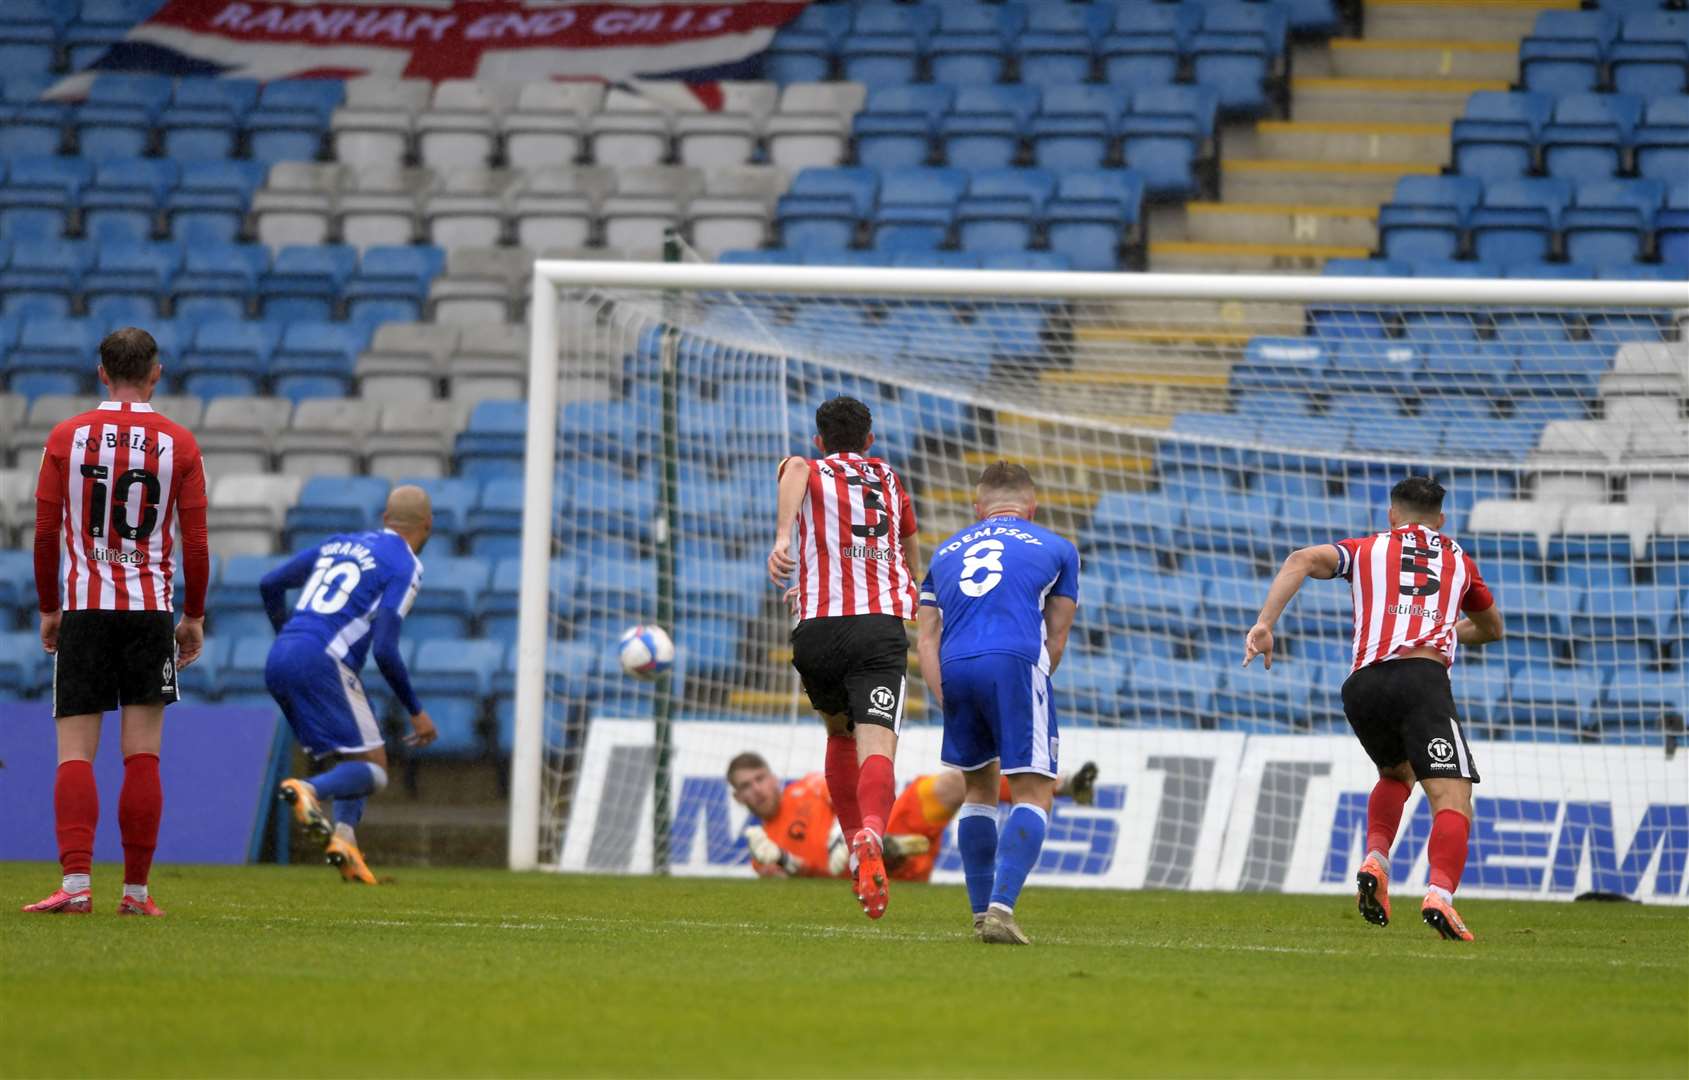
795	834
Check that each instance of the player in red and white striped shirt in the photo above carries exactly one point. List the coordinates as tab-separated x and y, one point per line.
114	482
855	589
1409	587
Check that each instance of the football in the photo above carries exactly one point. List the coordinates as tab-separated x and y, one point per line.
646	651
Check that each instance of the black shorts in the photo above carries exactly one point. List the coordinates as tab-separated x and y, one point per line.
1403	710
112	658
854	663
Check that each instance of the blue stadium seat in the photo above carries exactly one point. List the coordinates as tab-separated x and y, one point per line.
1051	58
1588	137
36	129
1164	151
1236	66
1132	61
1125	520
879	59
315	359
860	186
1518	218
978	141
53	353
1064	142
1200	103
492	445
228	356
892	140
39	195
816	222
244	671
1173	693
391	283
218	280
1020	102
1495	138
210	203
1279	362
129	272
288	122
26	48
961	58
304	282
204	118
799	56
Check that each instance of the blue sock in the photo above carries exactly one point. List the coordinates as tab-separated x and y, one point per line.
349	811
1017	851
350	780
976	838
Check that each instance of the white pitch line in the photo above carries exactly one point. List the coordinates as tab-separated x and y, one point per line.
672	926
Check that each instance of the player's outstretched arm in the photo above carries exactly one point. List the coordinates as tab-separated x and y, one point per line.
1317	562
929	629
289	575
794	479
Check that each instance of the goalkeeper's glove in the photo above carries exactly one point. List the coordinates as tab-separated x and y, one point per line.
766	853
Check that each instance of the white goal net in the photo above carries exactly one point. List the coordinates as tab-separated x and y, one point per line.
1187	432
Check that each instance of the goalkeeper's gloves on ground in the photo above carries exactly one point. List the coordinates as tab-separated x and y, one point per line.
900	846
770	858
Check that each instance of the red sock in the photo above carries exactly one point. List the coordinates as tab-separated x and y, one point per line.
1384	813
76	810
139	806
843	775
875	793
1448	848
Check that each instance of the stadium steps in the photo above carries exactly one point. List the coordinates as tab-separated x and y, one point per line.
1471	20
1313	180
1420	100
1078	471
1195	255
1281	223
1436	58
1339	140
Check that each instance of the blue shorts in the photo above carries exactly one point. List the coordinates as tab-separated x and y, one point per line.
321	697
999	707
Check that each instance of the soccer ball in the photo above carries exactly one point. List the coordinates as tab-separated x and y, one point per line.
646	651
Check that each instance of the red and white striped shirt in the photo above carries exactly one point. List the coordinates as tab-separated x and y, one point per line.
121	474
1409	587
851	526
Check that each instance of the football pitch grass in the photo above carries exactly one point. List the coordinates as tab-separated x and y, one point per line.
282	971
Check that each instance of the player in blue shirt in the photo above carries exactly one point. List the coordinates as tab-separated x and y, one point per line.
355	591
998	601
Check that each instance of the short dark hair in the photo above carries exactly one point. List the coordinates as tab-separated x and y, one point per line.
750	759
843	424
128	355
1418	495
1007	476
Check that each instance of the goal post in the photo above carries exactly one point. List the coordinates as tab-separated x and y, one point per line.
1186	431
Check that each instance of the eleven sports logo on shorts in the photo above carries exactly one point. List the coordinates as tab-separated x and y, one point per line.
1442	753
882	702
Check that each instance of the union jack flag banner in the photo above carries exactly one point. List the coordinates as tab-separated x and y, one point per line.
496	40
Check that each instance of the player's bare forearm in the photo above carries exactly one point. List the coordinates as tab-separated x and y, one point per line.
929	630
794	480
1315	562
1479	627
1059	612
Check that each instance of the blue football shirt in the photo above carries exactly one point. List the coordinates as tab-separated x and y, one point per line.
990	581
350	577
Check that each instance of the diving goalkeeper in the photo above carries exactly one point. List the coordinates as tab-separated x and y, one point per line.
797	834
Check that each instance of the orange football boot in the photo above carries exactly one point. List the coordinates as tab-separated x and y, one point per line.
1372	892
